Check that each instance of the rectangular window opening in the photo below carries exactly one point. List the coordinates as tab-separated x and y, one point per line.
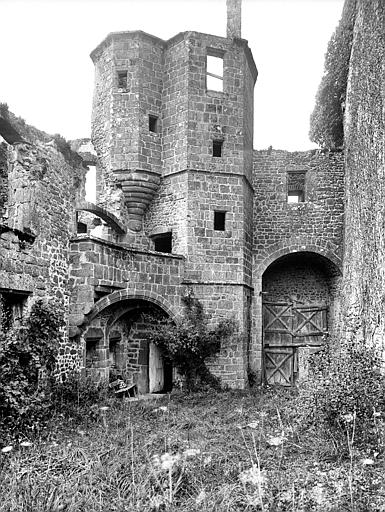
217	148
12	306
296	187
122	79
163	242
219	221
214	72
153	123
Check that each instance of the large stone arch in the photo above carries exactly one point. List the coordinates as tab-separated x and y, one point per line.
123	295
261	264
283	248
117	343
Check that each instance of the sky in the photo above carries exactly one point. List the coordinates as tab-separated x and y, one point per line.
46	74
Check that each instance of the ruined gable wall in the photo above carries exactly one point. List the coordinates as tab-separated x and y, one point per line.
364	259
34	240
317	222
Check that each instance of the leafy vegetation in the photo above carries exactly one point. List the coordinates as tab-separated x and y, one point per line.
27	362
228	451
190	342
347	385
326	122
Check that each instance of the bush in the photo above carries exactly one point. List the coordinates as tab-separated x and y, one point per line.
189	343
77	396
27	362
346	385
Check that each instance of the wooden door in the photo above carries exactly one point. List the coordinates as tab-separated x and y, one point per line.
287	328
156	370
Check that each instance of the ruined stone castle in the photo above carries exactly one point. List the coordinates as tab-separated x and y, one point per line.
183	204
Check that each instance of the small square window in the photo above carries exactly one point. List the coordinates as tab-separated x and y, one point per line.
163	242
122	79
219	221
296	187
153	124
217	148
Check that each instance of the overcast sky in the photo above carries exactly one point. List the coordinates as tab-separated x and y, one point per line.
46	75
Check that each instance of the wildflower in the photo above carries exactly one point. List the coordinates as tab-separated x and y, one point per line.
168	461
200	498
157	502
191	452
25	443
7	449
207	460
348	418
276	441
253	476
163	408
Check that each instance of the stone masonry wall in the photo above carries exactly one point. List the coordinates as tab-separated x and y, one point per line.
363	304
317	222
34	241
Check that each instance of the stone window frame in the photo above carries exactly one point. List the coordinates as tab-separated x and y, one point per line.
296	186
122	78
219	54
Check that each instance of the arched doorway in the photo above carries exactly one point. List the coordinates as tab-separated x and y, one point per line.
299	302
117	346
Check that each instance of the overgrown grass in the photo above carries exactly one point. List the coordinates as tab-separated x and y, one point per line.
228	451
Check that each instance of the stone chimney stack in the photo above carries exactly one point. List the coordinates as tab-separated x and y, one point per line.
233	18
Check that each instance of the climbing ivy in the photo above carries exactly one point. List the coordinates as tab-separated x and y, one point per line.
326	121
190	342
27	361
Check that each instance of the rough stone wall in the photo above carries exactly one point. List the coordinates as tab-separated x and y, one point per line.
317	222
363	305
97	265
3	179
34	239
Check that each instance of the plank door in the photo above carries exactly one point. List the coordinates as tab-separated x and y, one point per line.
279	354
156	370
287	328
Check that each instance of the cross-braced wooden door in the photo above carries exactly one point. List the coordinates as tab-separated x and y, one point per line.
287	328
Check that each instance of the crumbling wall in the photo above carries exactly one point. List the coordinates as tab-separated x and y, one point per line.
364	259
34	240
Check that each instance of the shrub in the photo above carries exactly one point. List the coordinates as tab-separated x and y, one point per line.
27	362
77	396
346	384
190	342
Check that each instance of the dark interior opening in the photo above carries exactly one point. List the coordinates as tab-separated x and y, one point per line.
81	227
217	148
219	221
163	242
153	124
11	308
122	79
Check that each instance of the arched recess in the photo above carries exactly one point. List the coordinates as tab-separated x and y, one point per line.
299	306
124	349
332	263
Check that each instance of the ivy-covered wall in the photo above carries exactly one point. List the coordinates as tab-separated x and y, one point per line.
363	305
